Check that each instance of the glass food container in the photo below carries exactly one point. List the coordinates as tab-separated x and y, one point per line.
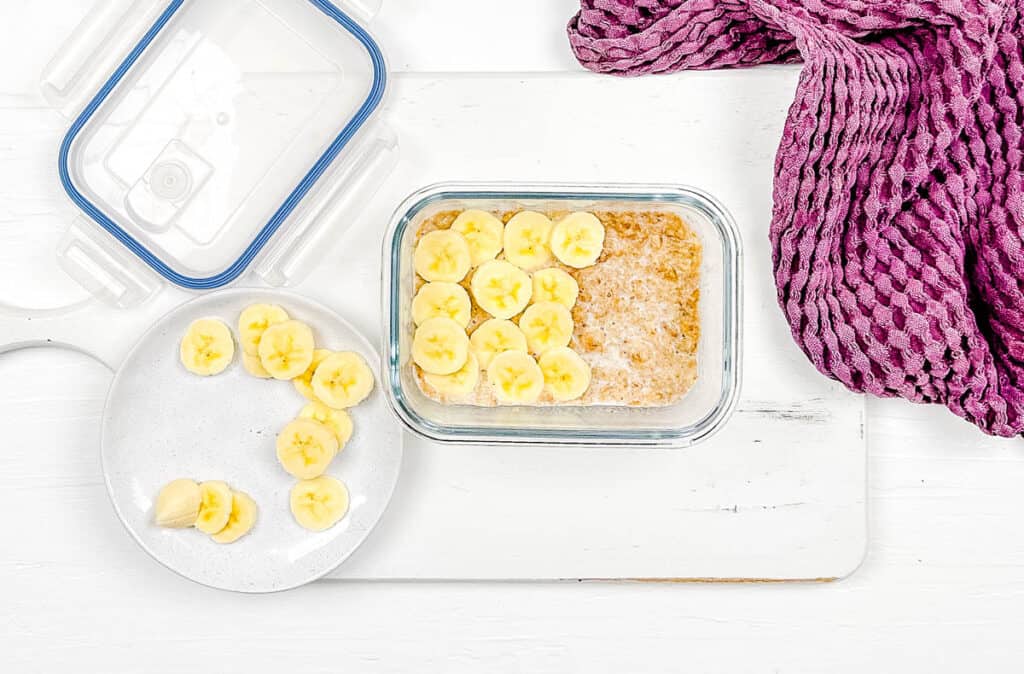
698	414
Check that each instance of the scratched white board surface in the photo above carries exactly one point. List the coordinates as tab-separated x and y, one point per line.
779	493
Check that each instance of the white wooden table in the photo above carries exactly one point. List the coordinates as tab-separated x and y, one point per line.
940	589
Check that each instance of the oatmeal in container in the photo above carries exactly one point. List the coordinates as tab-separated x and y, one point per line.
562	314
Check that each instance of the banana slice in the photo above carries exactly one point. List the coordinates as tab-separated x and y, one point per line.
207	347
286	349
304	382
527	239
214	508
501	288
578	239
254	366
555	285
440	346
483	232
337	420
566	374
516	377
177	505
342	380
439	298
254	321
547	325
319	504
240	521
442	255
305	448
496	336
459	383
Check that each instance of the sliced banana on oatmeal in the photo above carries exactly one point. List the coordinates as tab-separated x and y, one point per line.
286	349
459	383
516	377
207	347
440	298
306	447
484	233
555	285
501	288
320	503
577	240
442	255
440	346
547	326
496	336
527	240
254	321
342	380
566	374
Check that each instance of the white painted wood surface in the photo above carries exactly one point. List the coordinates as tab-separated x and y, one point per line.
778	494
939	591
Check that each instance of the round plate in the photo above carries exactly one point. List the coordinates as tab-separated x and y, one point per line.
162	423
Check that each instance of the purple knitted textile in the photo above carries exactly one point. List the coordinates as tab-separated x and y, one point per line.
898	207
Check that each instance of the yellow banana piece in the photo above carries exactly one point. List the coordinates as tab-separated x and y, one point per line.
440	346
566	374
442	255
496	336
337	420
555	285
501	288
240	521
483	232
516	378
342	380
304	382
254	366
214	507
527	240
177	505
320	503
577	240
254	321
546	325
286	349
459	383
442	299
207	347
306	447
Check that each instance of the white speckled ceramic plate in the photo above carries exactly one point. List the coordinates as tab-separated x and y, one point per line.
163	423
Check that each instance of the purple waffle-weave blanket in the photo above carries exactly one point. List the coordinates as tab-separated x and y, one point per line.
898	209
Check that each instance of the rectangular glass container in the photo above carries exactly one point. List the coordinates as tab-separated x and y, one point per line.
698	414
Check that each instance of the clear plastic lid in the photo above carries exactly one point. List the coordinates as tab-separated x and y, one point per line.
224	133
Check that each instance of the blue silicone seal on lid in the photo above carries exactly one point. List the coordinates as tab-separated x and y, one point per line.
157	159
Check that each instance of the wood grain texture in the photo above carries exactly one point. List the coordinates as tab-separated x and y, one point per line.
940	589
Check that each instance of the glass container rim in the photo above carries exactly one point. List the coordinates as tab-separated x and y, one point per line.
683	195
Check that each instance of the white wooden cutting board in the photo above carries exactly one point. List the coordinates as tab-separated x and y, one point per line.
778	494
